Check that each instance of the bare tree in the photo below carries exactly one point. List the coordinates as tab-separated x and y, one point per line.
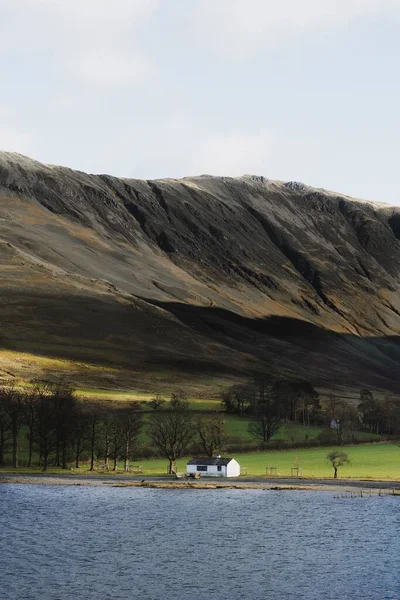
172	431
211	431
45	429
178	398
131	422
106	429
391	415
371	411
94	411
116	443
156	402
342	416
309	405
64	402
81	431
3	428
337	458
346	422
14	417
30	402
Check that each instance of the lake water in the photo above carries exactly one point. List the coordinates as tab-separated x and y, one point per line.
81	543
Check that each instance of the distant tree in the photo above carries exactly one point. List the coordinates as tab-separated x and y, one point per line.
64	401
106	429
94	411
379	415
172	431
344	417
309	405
211	431
178	398
333	405
370	411
3	428
30	402
391	415
81	431
298	401
237	399
45	429
156	402
265	419
116	441
337	458
130	425
11	399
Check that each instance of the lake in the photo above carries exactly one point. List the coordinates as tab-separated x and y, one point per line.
81	543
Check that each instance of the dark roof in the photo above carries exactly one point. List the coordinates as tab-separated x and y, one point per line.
209	461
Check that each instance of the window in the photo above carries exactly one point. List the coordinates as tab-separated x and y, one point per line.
219	468
202	468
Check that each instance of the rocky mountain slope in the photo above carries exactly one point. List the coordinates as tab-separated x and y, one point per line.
127	280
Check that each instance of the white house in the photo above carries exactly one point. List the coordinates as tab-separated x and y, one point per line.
214	467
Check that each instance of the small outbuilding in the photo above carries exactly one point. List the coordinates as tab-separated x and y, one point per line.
213	467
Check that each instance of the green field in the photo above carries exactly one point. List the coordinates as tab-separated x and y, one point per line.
205	404
290	432
368	461
238	438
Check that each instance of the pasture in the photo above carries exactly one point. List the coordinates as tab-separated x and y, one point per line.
367	461
378	461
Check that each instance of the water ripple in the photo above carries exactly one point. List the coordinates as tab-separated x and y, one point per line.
77	543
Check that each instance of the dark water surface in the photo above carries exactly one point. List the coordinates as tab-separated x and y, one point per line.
61	542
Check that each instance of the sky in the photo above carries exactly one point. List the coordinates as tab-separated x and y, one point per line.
304	90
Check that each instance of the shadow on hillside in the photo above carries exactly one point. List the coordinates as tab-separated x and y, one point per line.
309	346
199	340
222	320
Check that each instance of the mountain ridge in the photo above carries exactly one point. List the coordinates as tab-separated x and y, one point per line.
147	252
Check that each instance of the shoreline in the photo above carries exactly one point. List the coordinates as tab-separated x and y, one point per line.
372	487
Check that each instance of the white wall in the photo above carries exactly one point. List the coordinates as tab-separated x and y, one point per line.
212	471
232	470
191	469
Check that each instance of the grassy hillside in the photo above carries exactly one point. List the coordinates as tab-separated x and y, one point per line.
124	284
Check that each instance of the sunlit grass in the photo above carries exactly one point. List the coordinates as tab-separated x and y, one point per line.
371	461
135	396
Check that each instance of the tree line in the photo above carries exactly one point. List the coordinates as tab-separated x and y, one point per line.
60	429
268	405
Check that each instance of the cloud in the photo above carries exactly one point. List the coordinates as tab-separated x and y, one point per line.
240	28
96	41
